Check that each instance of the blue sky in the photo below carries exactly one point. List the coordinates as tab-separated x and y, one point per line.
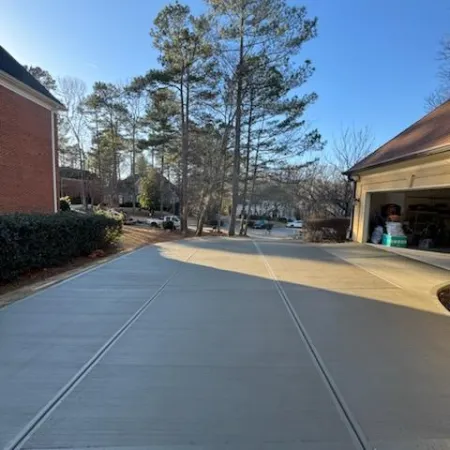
375	59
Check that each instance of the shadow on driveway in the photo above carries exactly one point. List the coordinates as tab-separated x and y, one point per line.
216	361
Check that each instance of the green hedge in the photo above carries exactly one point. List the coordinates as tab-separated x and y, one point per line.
34	241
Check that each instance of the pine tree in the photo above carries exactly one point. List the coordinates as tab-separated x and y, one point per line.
185	53
106	108
269	29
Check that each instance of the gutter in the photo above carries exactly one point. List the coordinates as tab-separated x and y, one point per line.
54	163
26	91
419	154
351	179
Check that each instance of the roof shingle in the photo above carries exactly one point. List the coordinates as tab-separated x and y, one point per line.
13	68
425	136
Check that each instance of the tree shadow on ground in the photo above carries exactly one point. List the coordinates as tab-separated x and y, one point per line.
390	361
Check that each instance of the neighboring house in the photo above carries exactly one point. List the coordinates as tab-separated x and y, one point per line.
125	190
72	182
28	136
268	208
412	171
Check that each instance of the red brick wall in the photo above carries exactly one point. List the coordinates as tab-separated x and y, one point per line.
26	170
74	188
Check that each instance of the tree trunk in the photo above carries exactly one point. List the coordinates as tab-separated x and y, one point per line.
161	183
237	142
243	229
184	156
171	193
224	172
133	168
222	189
252	191
114	199
203	210
83	185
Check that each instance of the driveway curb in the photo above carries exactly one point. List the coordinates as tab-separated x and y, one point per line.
33	289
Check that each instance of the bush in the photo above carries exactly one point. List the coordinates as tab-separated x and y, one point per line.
129	205
110	213
214	223
35	241
331	230
64	203
168	225
255	217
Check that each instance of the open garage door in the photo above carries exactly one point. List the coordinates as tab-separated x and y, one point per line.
423	215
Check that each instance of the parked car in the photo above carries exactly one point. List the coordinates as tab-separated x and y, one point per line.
158	222
261	225
295	224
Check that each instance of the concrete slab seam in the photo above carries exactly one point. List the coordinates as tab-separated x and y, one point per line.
432	293
365	269
32	426
347	416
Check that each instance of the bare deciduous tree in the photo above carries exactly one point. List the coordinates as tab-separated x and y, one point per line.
323	189
442	92
135	102
350	146
73	93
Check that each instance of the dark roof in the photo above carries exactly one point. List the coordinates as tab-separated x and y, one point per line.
426	136
13	68
70	172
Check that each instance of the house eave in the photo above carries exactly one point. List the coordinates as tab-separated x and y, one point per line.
420	154
25	91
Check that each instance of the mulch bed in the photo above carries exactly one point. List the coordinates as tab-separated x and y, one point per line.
444	297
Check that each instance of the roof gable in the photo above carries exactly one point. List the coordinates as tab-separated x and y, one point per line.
428	134
14	69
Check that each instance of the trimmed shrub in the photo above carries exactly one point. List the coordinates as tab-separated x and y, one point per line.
168	225
256	217
331	230
111	214
35	241
64	203
129	205
214	223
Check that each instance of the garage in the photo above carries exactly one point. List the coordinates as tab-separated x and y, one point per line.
423	218
402	190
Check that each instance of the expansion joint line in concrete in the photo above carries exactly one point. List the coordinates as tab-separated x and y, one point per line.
349	420
30	428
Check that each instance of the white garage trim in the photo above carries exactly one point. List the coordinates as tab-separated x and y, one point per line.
55	192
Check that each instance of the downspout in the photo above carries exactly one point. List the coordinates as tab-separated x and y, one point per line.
355	180
55	195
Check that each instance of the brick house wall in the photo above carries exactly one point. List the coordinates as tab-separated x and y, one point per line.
26	167
73	188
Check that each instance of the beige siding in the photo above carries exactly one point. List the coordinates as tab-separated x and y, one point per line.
425	173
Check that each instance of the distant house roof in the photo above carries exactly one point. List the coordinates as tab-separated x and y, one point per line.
430	134
126	184
76	174
13	68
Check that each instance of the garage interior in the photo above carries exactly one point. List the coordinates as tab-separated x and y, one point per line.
422	215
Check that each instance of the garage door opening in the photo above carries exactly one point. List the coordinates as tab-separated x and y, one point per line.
419	218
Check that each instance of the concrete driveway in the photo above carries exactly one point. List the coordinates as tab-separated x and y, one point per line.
228	344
